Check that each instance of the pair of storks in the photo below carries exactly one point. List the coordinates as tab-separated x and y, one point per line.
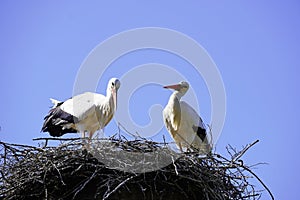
89	112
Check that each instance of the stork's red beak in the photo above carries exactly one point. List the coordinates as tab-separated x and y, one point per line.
114	93
174	87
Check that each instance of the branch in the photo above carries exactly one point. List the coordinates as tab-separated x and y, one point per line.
61	139
118	186
175	167
85	183
264	185
243	151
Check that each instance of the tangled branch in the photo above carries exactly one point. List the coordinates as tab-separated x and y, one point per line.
69	171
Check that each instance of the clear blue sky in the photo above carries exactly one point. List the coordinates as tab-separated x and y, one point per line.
255	45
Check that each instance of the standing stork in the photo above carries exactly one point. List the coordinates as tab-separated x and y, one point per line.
84	113
183	123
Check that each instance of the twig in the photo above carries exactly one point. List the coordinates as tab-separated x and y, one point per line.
133	135
243	151
62	181
20	145
118	186
261	182
60	139
85	183
175	167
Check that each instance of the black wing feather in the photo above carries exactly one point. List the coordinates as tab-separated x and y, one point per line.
56	122
201	132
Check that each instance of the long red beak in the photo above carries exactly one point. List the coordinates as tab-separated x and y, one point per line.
114	93
174	87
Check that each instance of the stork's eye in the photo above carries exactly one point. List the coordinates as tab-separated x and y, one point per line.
113	84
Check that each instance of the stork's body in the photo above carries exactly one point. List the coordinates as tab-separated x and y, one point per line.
183	123
84	113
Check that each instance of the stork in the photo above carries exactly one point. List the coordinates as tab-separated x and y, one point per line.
84	113
183	123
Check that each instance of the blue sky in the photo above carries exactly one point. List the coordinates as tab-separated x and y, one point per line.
255	45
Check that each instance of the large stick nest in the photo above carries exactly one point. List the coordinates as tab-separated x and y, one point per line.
69	171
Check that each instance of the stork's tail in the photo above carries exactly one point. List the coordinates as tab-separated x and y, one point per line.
58	122
55	102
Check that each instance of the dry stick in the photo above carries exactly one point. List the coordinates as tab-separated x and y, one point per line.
248	170
243	151
260	163
61	179
5	156
175	167
118	186
250	195
134	135
59	139
85	183
164	140
20	145
66	139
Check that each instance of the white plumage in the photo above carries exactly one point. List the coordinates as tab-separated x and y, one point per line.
84	113
183	123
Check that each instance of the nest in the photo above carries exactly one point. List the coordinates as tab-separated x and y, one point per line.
69	171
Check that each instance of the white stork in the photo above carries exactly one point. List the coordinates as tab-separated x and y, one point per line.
84	113
183	123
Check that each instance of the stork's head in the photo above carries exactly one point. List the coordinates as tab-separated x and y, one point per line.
182	87
114	84
112	88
